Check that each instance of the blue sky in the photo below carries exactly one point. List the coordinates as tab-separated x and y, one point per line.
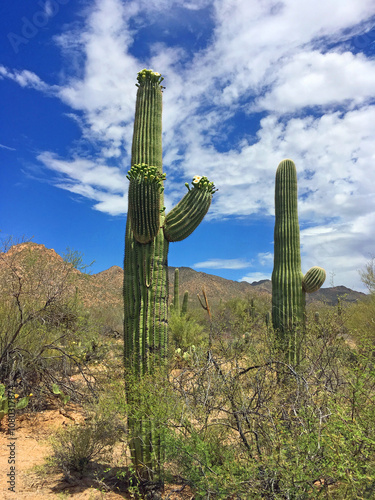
248	83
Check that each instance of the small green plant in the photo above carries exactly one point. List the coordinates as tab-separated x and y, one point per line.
75	258
4	402
184	357
64	398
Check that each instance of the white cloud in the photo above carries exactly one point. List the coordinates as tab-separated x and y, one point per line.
315	79
7	147
223	264
98	182
25	79
265	259
102	89
112	204
341	248
257	276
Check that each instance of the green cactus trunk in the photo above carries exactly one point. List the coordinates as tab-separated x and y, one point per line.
288	298
145	266
176	290
145	273
176	296
185	302
252	309
288	283
148	233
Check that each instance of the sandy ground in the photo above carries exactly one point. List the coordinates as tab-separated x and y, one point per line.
32	446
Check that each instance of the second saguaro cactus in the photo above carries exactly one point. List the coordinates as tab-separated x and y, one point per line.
148	233
289	285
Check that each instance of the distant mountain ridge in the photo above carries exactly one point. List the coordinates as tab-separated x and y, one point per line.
106	286
220	288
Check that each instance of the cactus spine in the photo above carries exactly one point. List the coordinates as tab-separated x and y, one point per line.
148	233
289	286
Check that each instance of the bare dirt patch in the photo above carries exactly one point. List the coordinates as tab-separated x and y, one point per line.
33	481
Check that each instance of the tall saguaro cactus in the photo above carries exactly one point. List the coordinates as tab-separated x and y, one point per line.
289	286
148	233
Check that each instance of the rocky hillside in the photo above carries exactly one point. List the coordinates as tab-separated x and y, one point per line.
105	288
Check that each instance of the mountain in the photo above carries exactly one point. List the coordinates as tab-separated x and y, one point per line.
216	288
104	289
220	288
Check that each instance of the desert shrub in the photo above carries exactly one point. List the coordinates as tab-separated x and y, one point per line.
209	462
361	320
77	445
185	331
238	428
368	275
45	334
46	353
109	319
240	317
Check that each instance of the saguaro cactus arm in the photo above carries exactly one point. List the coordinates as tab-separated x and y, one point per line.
189	212
146	186
313	279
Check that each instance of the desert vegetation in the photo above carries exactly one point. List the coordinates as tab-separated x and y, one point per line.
236	420
212	401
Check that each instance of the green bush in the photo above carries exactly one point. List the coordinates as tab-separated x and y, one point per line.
76	446
185	331
361	320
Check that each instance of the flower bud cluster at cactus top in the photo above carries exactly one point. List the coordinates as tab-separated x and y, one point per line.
203	183
149	173
149	75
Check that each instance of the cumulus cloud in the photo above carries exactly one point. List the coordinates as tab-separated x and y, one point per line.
320	79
